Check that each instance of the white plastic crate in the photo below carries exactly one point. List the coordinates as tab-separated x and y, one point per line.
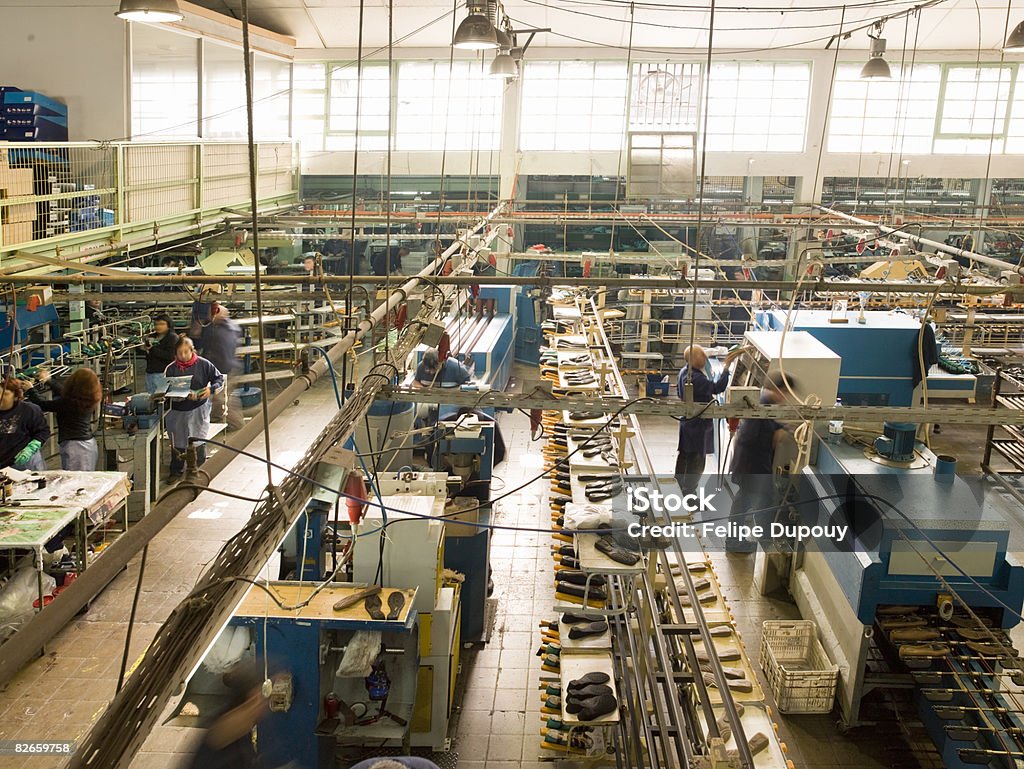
800	675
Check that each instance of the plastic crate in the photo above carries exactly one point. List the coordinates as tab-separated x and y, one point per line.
800	675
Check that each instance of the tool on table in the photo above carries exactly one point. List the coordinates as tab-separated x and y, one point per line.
356	597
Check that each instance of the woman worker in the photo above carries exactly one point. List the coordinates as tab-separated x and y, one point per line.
159	353
190	417
23	428
75	406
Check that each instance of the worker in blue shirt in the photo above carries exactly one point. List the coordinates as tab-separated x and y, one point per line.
697	434
432	373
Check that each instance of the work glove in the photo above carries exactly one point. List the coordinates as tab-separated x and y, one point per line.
26	453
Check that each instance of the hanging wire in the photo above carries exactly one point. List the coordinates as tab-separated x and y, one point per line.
253	203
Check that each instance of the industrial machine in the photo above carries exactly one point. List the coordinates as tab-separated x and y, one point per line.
142	411
921	544
811	366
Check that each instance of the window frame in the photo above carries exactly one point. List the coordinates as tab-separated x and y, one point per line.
938	134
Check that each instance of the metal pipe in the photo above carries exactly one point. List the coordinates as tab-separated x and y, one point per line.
680	284
952	250
30	640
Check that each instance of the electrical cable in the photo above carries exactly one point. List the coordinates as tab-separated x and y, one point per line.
254	205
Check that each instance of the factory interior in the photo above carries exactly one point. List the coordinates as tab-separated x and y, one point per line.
396	384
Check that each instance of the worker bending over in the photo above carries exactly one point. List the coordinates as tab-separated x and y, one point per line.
432	373
697	434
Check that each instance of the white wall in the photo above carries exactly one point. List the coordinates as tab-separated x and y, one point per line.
76	55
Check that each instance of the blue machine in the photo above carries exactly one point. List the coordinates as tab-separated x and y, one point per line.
528	317
29	327
877	355
904	525
471	457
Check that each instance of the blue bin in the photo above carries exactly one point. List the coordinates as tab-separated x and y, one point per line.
248	396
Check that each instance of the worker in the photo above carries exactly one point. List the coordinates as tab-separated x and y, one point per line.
228	742
380	263
74	405
753	460
452	373
219	344
159	353
697	434
190	417
396	762
23	429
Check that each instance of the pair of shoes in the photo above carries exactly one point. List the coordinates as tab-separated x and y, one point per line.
586	416
589	697
580	578
593	593
396	602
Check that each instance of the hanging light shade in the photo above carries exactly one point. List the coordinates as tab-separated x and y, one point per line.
876	68
476	32
504	66
1015	42
150	10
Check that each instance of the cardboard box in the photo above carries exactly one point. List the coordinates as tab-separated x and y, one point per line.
16	181
22	212
19	232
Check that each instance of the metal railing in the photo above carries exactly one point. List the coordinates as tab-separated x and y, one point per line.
80	192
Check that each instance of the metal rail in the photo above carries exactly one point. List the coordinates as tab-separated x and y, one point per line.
673	407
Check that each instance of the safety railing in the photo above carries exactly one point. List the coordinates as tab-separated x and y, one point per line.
73	191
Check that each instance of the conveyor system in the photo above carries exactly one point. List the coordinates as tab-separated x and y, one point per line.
891	597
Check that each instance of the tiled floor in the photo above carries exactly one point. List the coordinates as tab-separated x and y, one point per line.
498	720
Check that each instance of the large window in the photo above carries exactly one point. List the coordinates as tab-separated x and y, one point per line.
223	92
272	82
309	105
573	106
665	97
757	107
165	84
435	113
374	107
896	115
974	112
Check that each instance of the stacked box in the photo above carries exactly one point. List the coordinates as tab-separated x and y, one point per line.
27	116
18	220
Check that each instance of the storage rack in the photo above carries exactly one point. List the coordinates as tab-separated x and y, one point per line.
1007	393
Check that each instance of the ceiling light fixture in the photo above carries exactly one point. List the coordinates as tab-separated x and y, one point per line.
503	64
150	10
476	32
876	68
1015	42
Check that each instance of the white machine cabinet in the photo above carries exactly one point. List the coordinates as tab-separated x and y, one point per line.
813	367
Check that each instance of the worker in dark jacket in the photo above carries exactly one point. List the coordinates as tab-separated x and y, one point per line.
74	405
219	344
697	434
159	353
753	461
23	429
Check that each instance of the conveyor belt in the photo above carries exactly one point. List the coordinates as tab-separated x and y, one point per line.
676	701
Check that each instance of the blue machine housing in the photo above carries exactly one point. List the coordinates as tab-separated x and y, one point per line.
877	356
951	515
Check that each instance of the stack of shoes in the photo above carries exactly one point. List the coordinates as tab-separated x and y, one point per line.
590	697
600	490
596	595
587	416
578	378
567	739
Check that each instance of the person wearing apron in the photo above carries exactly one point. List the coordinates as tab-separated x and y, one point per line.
190	417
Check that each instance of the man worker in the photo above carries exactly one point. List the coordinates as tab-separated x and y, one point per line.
219	343
753	463
697	434
391	259
432	373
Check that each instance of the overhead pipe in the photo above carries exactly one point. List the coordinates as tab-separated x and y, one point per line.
28	642
944	248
